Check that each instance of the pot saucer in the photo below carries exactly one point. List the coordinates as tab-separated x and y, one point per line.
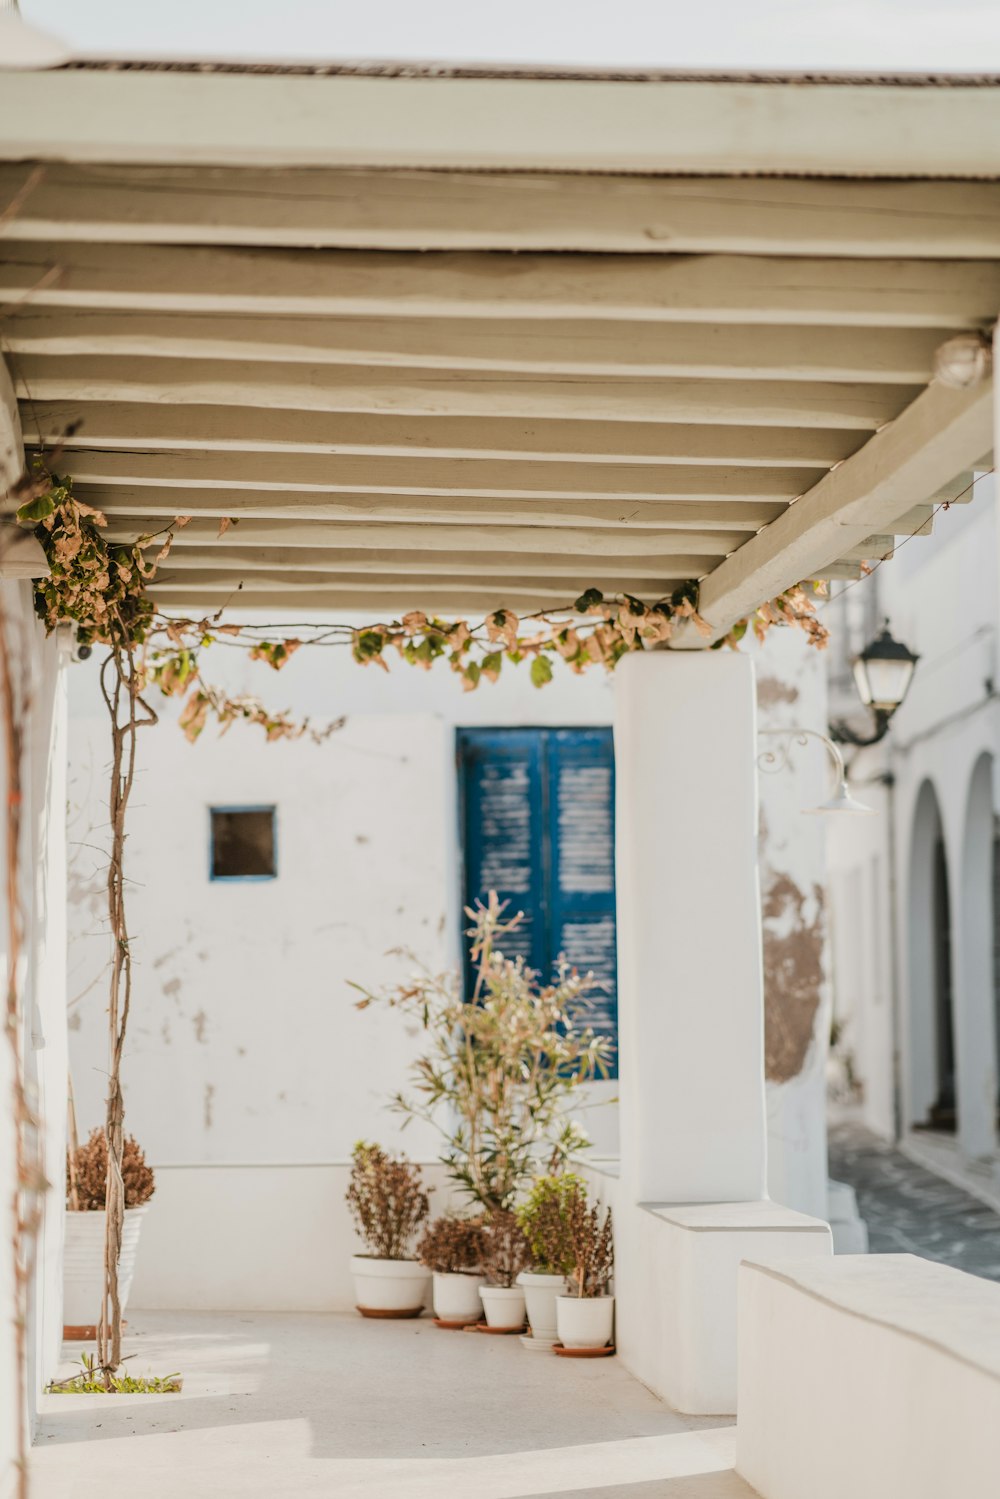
604	1352
454	1324
485	1327
537	1345
390	1312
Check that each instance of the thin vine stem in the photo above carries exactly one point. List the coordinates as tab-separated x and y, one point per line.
121	690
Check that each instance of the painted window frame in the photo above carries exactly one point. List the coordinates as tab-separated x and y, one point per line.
242	879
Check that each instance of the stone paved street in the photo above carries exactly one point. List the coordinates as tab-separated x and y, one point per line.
910	1210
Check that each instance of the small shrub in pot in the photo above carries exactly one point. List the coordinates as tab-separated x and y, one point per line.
585	1319
544	1220
86	1195
506	1255
388	1203
453	1250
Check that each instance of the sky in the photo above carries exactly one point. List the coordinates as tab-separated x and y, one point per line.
866	35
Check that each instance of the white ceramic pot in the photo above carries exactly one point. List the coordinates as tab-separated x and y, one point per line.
389	1288
540	1292
456	1295
83	1266
585	1321
503	1305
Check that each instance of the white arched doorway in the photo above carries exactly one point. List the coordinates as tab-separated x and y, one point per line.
930	1011
975	979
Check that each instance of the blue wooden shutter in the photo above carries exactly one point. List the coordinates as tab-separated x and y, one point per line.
537	818
503	833
581	815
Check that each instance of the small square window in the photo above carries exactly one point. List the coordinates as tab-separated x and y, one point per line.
243	843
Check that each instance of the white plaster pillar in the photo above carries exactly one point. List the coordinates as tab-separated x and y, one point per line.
689	938
971	872
691	1200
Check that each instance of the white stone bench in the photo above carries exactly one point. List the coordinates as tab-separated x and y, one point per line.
869	1376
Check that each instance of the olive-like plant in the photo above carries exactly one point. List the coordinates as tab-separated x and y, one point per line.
501	1066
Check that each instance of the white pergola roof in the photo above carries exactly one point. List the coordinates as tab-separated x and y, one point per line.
455	342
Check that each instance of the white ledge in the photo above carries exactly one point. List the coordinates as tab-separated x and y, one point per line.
736	1217
956	1313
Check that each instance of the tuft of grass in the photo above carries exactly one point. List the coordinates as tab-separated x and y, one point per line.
94	1380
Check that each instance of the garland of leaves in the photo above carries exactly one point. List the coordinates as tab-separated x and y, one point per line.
599	633
101	587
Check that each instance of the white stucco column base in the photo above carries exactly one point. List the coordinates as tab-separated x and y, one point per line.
691	1196
677	1282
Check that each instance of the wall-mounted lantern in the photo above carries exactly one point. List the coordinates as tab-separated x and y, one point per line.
882	674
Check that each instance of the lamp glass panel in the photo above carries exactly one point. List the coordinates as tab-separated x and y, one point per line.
861	681
887	681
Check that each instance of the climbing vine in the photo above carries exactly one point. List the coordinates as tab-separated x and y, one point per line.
30	1184
101	587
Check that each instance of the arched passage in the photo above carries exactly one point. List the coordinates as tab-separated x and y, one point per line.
975	981
932	1093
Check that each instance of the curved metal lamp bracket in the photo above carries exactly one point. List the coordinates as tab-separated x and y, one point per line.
771	761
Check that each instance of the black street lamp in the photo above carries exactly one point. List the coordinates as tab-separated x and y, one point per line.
882	674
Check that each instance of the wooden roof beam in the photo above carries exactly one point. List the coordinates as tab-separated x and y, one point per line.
893	356
416	392
144	424
474	477
463	211
278	517
688	553
736	126
935	438
612	573
423	591
755	290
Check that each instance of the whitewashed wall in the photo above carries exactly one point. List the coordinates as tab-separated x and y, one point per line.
36	664
941	595
791	693
250	1074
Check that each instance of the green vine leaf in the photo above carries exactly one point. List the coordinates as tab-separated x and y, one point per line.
35	510
541	671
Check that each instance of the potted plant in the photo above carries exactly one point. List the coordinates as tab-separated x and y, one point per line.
388	1203
506	1254
501	1065
453	1249
585	1318
83	1261
544	1220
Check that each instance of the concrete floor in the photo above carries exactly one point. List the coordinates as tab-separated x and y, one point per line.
305	1405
